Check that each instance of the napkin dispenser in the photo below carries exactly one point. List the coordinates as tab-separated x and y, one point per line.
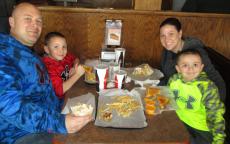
108	55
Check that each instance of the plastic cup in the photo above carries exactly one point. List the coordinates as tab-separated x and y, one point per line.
101	76
112	68
120	78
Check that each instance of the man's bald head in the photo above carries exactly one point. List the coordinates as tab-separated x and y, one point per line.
26	23
22	6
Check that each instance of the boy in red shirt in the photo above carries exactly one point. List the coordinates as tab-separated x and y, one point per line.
62	66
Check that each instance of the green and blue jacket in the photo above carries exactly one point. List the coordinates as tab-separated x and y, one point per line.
28	103
199	105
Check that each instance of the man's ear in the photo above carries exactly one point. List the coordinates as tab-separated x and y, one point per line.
46	49
11	21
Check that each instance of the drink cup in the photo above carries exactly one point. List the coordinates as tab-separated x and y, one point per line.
112	68
120	58
101	76
120	78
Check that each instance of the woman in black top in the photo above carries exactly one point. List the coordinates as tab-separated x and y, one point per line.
173	41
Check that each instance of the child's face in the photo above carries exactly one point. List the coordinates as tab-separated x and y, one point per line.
190	66
56	48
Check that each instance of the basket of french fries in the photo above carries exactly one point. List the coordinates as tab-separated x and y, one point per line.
90	76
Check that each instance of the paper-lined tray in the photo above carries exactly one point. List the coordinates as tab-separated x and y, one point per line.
164	91
156	74
111	112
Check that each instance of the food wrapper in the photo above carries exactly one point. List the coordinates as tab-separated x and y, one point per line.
109	114
165	92
88	99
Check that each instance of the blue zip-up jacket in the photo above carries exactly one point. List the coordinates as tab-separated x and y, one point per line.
27	101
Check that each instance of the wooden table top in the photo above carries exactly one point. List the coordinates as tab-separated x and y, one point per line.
163	128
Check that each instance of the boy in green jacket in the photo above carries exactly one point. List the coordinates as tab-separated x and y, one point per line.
199	106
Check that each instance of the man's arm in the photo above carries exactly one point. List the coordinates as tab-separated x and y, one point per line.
22	110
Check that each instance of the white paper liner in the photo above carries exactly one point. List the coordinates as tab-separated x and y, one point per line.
88	98
165	91
156	75
135	120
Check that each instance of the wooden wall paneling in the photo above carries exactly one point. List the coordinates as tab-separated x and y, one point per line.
134	27
157	47
224	38
76	32
72	25
95	32
212	29
128	38
141	35
85	29
147	4
138	47
221	30
214	32
137	35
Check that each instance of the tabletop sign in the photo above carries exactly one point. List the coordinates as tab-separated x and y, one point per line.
113	33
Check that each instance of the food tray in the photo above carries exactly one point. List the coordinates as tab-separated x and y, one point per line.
135	120
165	91
156	75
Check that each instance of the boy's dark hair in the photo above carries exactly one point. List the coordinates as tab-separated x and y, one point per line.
172	21
51	35
187	52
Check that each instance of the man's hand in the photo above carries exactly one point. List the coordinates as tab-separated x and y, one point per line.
75	123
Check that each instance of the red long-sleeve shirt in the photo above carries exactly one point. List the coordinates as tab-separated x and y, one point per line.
59	72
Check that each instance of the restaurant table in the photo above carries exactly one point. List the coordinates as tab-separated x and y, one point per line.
164	128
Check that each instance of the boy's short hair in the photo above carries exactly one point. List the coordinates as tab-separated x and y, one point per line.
51	35
187	52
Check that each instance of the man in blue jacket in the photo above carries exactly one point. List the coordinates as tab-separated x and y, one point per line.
27	101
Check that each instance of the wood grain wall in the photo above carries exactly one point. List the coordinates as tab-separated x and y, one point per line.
84	30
